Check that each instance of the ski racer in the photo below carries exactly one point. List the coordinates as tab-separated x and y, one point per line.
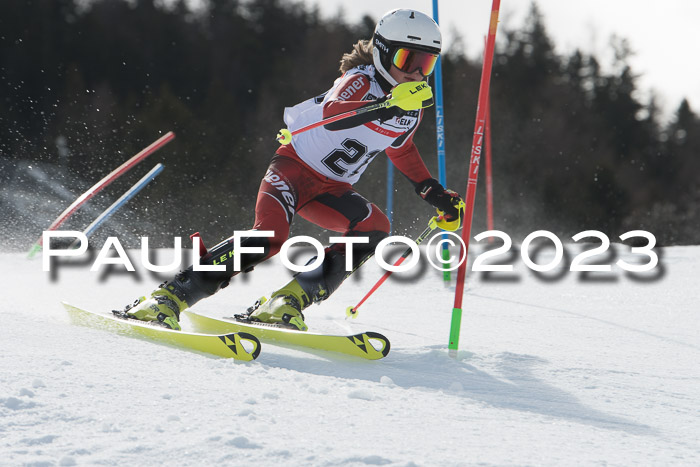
314	175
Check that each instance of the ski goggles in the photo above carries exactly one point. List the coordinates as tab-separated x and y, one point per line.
409	61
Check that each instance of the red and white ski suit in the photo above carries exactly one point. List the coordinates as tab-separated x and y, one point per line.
313	176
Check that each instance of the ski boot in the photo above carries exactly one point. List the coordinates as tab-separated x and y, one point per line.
163	306
283	308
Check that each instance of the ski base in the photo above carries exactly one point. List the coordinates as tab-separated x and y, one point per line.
237	345
368	345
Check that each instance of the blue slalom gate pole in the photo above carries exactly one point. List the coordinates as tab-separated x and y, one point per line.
390	193
123	199
440	130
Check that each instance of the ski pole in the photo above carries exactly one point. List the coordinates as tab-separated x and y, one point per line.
403	95
285	136
432	225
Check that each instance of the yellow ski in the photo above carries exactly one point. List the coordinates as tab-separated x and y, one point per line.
369	345
237	345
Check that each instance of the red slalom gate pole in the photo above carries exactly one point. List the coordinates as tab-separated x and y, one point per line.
109	178
474	159
489	172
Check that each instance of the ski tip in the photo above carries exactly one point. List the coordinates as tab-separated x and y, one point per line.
372	345
254	341
385	345
244	346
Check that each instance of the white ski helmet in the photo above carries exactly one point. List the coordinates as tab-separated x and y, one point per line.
403	28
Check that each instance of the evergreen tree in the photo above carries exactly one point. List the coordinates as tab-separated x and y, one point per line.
84	85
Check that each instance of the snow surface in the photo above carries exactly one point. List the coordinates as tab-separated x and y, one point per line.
553	369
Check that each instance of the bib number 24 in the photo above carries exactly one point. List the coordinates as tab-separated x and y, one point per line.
350	154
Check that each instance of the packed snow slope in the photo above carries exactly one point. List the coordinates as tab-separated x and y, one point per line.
554	369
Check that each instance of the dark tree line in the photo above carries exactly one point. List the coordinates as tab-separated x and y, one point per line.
83	86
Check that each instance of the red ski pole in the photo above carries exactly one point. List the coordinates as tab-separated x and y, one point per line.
351	311
285	136
473	174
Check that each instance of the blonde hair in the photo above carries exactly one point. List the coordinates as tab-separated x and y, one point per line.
361	55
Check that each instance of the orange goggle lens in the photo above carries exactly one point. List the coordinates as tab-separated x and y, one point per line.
409	61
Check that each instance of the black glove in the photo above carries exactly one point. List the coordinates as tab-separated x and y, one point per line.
442	199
